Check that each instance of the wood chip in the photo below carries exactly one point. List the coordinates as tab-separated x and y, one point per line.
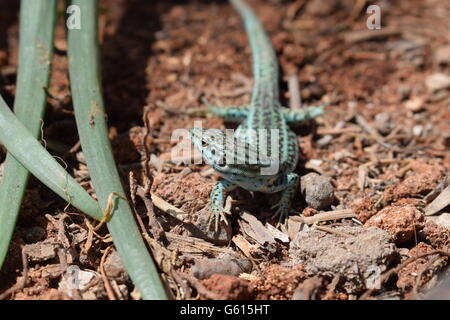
439	203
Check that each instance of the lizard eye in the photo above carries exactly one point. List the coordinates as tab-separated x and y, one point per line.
204	144
221	164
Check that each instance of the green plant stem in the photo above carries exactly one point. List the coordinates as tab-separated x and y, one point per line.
37	20
33	156
87	97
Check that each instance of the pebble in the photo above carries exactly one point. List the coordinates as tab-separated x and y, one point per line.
404	92
384	123
317	190
437	81
114	268
442	55
417	130
414	104
205	268
321	8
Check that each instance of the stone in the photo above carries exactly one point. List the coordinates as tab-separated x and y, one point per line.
437	81
358	259
384	123
442	55
317	190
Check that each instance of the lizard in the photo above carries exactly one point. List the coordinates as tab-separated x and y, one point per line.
264	119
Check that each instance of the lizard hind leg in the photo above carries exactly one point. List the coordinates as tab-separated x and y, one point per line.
230	114
297	117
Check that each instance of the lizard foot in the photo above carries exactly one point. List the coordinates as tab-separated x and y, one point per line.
215	217
282	213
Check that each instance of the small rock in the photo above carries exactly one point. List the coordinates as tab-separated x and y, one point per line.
404	92
415	104
228	287
317	190
358	259
321	8
402	223
442	55
436	235
437	81
417	130
41	251
114	268
325	140
205	268
342	154
383	123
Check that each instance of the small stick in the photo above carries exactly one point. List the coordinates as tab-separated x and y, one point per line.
422	272
326	216
388	274
198	285
331	230
21	285
295	97
108	287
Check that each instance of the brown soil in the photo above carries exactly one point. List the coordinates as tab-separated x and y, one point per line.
383	142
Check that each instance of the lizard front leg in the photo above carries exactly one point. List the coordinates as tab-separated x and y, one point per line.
218	194
284	205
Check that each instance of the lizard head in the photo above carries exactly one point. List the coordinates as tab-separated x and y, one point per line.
212	144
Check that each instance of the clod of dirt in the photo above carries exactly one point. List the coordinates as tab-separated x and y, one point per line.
436	235
442	55
407	276
423	179
205	268
317	190
41	251
384	123
114	268
437	81
358	259
228	287
277	282
190	193
402	223
364	208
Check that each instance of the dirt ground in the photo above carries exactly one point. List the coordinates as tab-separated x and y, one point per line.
374	160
